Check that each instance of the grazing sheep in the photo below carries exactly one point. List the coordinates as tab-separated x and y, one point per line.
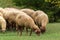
40	18
23	20
9	16
2	23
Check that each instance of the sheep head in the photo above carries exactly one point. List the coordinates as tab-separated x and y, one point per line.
43	29
37	31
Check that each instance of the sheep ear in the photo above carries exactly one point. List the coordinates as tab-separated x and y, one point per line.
36	14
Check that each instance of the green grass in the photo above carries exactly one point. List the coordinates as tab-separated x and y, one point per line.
52	33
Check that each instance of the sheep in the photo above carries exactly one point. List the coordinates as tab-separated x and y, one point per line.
23	20
9	16
2	23
39	17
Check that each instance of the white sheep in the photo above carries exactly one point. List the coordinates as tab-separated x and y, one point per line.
23	20
9	16
41	20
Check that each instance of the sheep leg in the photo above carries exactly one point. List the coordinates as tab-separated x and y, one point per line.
8	25
26	30
30	32
11	28
20	29
14	26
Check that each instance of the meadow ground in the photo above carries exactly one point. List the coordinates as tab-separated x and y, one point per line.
52	33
